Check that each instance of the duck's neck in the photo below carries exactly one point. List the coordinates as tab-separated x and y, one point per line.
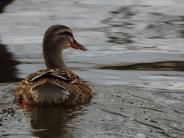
53	55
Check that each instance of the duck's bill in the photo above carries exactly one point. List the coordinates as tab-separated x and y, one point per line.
76	45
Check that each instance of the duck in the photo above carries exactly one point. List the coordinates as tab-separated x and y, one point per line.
57	84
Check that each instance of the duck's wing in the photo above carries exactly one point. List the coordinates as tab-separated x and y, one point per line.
50	84
50	74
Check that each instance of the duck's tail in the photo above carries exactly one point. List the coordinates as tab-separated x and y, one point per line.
49	93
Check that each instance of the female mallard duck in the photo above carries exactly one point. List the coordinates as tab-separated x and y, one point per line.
57	84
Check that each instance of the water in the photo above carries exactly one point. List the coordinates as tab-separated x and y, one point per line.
134	65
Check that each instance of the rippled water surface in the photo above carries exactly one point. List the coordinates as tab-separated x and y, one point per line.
134	64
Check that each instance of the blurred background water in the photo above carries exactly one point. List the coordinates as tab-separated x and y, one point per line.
135	64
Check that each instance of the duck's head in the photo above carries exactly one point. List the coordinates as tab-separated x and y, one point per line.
61	36
56	39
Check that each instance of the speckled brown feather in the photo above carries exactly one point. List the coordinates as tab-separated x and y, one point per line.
79	91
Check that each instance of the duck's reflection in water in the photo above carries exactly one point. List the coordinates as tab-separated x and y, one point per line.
7	65
48	122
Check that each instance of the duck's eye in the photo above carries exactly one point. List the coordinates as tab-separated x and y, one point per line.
66	33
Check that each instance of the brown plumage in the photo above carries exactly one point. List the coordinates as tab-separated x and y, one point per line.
57	84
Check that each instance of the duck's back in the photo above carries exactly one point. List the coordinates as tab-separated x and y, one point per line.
53	86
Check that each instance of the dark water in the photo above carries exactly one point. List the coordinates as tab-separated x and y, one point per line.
134	64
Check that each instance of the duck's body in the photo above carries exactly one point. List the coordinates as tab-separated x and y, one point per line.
57	84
